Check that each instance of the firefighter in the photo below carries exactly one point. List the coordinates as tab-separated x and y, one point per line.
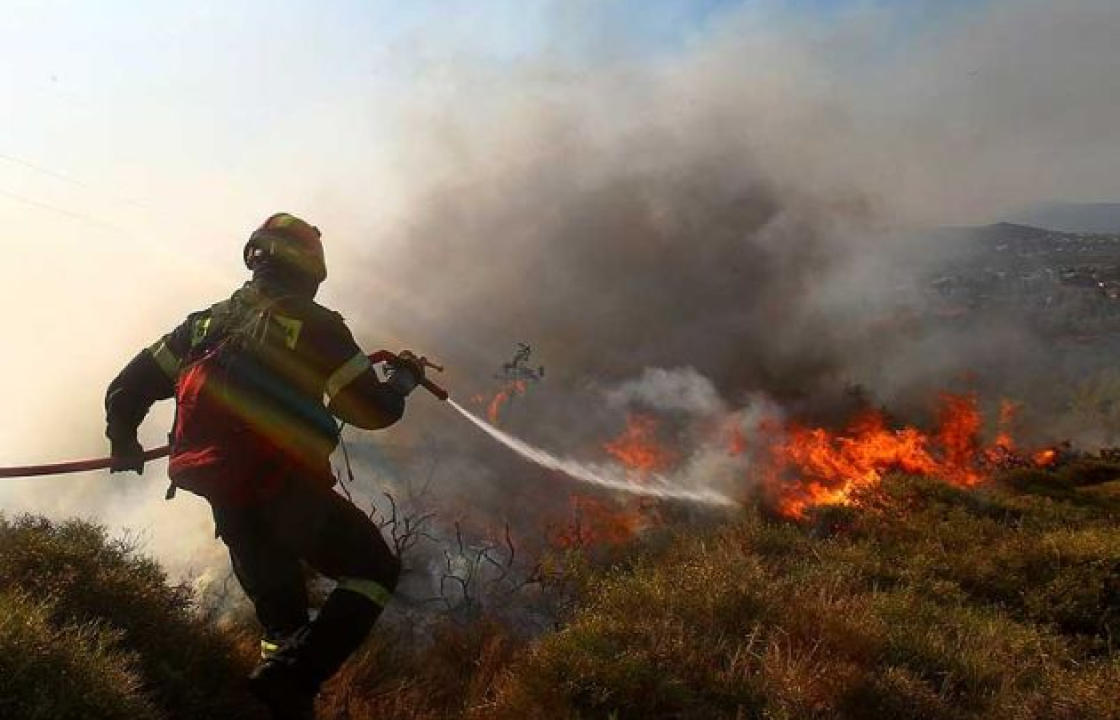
258	381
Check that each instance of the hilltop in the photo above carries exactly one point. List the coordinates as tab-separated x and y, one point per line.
1101	217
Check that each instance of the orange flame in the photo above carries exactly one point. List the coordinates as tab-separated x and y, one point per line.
637	447
611	522
816	466
503	396
802	467
736	441
1008	411
1045	458
603	522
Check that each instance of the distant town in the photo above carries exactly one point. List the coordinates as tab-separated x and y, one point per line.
1063	283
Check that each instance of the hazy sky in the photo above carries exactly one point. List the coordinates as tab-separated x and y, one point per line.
141	142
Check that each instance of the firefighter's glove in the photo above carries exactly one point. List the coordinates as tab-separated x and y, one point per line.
405	373
126	454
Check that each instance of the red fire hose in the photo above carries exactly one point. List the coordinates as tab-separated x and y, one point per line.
75	466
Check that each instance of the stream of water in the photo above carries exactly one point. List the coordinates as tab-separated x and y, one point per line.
604	476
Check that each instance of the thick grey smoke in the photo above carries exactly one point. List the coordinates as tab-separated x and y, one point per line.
740	208
749	208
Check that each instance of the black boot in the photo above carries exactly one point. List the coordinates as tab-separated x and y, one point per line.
283	689
341	627
289	680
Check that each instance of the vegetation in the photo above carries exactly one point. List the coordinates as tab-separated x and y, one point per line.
920	601
91	629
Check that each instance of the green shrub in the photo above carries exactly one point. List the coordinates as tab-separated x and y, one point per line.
64	673
188	667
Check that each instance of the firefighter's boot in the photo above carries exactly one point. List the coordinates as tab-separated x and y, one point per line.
283	690
289	680
340	628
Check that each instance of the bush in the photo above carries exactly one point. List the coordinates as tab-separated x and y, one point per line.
101	589
64	673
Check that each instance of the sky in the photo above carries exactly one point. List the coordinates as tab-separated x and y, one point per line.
141	143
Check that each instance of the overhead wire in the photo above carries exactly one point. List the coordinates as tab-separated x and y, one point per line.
14	160
61	211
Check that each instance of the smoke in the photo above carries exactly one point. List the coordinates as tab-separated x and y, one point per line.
681	389
744	205
750	207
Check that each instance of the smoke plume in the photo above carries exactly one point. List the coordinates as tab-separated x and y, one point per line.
750	208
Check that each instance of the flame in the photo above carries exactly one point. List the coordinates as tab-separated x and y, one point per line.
959	438
637	447
604	522
1045	458
610	522
801	466
503	396
736	440
1008	411
815	466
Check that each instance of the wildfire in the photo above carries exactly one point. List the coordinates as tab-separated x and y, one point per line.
801	467
502	397
815	466
611	522
603	522
637	447
1045	458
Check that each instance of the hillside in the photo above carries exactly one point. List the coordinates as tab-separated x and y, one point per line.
925	602
1072	217
920	601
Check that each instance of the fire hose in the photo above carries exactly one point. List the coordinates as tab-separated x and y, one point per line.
75	466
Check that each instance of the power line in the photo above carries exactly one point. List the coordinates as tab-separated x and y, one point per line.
12	159
61	211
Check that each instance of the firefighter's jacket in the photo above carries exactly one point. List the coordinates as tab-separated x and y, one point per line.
258	381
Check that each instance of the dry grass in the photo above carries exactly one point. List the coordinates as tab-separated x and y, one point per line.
926	602
922	602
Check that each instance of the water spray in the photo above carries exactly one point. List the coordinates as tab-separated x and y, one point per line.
604	476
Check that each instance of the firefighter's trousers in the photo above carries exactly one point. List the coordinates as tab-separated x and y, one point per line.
267	542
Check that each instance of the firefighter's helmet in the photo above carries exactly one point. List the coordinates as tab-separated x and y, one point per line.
292	242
